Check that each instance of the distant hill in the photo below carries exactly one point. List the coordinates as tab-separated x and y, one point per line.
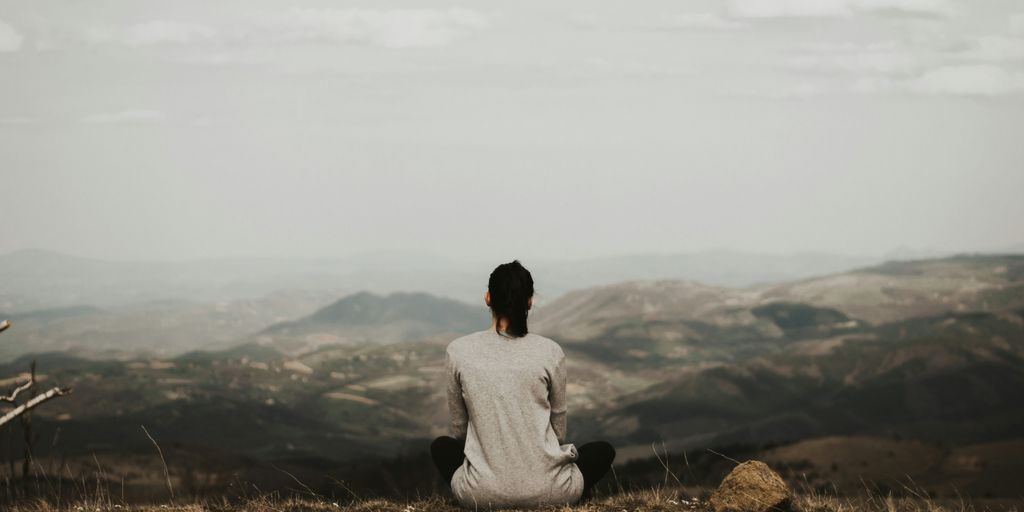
366	317
957	378
898	290
714	267
933	348
37	279
690	310
152	328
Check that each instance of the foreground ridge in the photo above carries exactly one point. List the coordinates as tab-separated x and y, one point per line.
675	499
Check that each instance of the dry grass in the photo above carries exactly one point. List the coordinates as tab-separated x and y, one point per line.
656	499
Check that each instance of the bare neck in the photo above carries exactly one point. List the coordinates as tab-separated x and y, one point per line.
502	324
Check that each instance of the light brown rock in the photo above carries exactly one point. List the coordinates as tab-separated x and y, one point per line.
751	487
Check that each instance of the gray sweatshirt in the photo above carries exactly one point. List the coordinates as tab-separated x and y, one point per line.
506	397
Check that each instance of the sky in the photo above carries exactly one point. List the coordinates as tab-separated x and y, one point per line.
135	129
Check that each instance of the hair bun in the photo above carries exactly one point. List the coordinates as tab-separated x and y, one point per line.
510	287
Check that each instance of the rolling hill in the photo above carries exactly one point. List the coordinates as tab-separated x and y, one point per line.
164	328
365	317
693	365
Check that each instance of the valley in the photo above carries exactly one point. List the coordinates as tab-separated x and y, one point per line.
928	352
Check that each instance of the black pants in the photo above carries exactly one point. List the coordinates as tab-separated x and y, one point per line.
595	459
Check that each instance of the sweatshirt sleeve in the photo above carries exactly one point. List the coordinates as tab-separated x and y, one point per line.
456	404
556	396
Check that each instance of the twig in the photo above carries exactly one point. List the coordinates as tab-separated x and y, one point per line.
616	477
21	387
726	457
688	468
46	478
13	394
310	491
160	452
665	465
922	498
38	399
665	483
4	325
347	488
101	478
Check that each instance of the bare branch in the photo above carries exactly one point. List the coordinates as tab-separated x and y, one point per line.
14	394
21	387
31	404
167	474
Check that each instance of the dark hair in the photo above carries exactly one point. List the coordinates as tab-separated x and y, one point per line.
511	287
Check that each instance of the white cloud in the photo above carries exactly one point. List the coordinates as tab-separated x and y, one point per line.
1017	22
837	8
703	20
972	80
206	121
787	8
10	39
391	28
895	58
18	120
664	22
125	116
230	55
951	80
873	85
937	8
795	90
876	58
151	33
994	49
980	66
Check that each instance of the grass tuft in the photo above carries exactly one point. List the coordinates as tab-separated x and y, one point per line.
642	500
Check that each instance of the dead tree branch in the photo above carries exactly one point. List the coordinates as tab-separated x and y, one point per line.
31	404
25	386
14	394
22	387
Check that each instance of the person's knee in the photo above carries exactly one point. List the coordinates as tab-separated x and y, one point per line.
598	450
606	450
440	444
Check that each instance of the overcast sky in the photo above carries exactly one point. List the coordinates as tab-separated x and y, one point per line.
195	128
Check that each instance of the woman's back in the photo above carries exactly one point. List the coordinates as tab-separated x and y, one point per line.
506	396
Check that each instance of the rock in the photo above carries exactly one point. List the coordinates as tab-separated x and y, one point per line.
751	487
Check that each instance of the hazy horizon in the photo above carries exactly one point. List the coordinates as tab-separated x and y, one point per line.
900	252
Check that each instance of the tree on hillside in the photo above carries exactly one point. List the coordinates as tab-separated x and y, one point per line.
31	403
20	410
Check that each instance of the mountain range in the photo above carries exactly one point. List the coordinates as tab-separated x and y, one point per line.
37	279
930	350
